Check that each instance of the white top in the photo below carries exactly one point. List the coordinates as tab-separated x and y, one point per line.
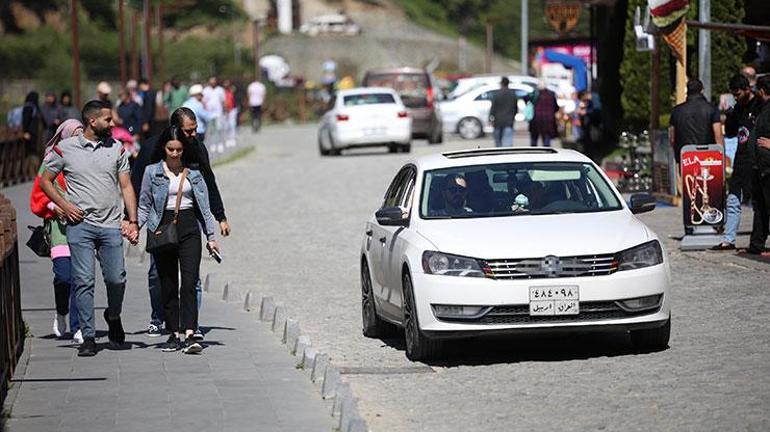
173	187
256	92
214	99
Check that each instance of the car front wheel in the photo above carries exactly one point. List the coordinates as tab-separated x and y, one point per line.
373	326
654	339
469	128
418	346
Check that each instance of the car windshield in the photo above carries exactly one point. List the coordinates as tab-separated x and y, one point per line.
411	87
368	99
513	189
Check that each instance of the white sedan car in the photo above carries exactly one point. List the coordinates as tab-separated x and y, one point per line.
511	240
365	117
468	114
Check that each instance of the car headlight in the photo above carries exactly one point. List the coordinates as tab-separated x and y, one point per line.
645	255
450	265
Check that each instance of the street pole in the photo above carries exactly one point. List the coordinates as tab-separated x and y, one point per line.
75	51
490	50
122	42
257	69
524	37
704	48
655	87
147	9
161	59
681	73
134	46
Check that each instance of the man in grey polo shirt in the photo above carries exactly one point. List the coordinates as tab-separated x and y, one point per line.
97	174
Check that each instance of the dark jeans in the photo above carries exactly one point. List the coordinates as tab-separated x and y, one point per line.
156	302
180	305
761	203
256	117
64	296
533	139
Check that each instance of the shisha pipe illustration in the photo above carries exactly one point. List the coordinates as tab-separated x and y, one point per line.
705	213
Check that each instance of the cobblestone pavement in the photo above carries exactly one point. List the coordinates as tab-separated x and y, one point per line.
297	224
244	380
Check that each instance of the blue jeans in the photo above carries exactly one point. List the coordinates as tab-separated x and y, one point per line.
156	305
84	239
733	218
533	140
504	136
62	285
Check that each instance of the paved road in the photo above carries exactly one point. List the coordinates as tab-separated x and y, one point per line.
244	380
298	219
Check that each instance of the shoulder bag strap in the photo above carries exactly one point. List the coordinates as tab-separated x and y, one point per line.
182	178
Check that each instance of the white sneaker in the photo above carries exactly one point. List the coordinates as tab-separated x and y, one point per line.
78	337
59	325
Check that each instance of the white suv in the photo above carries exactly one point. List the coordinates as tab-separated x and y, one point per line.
511	240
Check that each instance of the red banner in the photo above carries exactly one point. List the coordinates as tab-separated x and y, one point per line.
703	186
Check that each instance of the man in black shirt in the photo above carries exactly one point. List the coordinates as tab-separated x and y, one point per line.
759	153
183	118
738	124
502	113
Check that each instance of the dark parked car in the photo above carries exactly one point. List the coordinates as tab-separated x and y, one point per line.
419	95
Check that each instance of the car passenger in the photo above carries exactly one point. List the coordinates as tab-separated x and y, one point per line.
454	194
524	195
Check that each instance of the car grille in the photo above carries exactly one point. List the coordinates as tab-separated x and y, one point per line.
519	314
533	268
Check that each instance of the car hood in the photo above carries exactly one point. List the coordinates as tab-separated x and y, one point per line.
536	236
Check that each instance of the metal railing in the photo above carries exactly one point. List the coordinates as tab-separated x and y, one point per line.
11	323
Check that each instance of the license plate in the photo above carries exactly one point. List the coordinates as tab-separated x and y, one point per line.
554	300
374	131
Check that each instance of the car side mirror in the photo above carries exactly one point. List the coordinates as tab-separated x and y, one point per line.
392	216
642	203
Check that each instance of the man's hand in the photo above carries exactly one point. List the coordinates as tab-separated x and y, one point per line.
132	233
72	213
59	212
224	228
763	142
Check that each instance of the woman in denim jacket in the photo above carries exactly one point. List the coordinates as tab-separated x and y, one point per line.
157	201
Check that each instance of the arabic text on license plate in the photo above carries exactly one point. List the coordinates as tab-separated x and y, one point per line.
554	300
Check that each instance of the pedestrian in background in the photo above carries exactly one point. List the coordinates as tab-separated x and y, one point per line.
231	113
256	91
502	114
759	151
96	173
174	190
66	109
130	115
543	124
50	115
176	96
55	224
103	91
30	127
147	94
203	116
739	122
196	153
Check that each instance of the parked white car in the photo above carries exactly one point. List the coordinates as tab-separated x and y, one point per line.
466	84
365	117
468	114
330	23
506	240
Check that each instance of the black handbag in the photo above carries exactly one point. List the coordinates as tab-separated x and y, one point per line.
39	241
165	237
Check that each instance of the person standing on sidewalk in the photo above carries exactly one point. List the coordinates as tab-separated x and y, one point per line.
738	124
543	124
759	150
183	119
502	114
97	175
54	221
204	116
173	190
256	91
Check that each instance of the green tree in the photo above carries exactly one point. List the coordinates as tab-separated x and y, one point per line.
726	49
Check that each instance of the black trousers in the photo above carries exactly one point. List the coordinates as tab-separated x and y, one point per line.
761	202
180	305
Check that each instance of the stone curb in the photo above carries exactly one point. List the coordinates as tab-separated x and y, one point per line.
317	365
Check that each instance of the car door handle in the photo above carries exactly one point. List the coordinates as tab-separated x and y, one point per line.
383	240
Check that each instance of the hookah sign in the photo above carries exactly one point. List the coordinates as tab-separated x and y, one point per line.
703	186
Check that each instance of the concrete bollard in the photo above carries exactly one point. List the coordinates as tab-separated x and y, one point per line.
302	343
290	332
331	379
247	302
279	318
208	285
308	358
348	413
358	425
226	292
319	367
266	309
341	393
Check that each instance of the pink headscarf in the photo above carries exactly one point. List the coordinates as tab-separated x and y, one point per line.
65	130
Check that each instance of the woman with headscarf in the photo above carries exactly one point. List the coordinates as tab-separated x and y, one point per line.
54	222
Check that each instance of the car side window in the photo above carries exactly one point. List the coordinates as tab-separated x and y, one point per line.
406	199
483	96
392	195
